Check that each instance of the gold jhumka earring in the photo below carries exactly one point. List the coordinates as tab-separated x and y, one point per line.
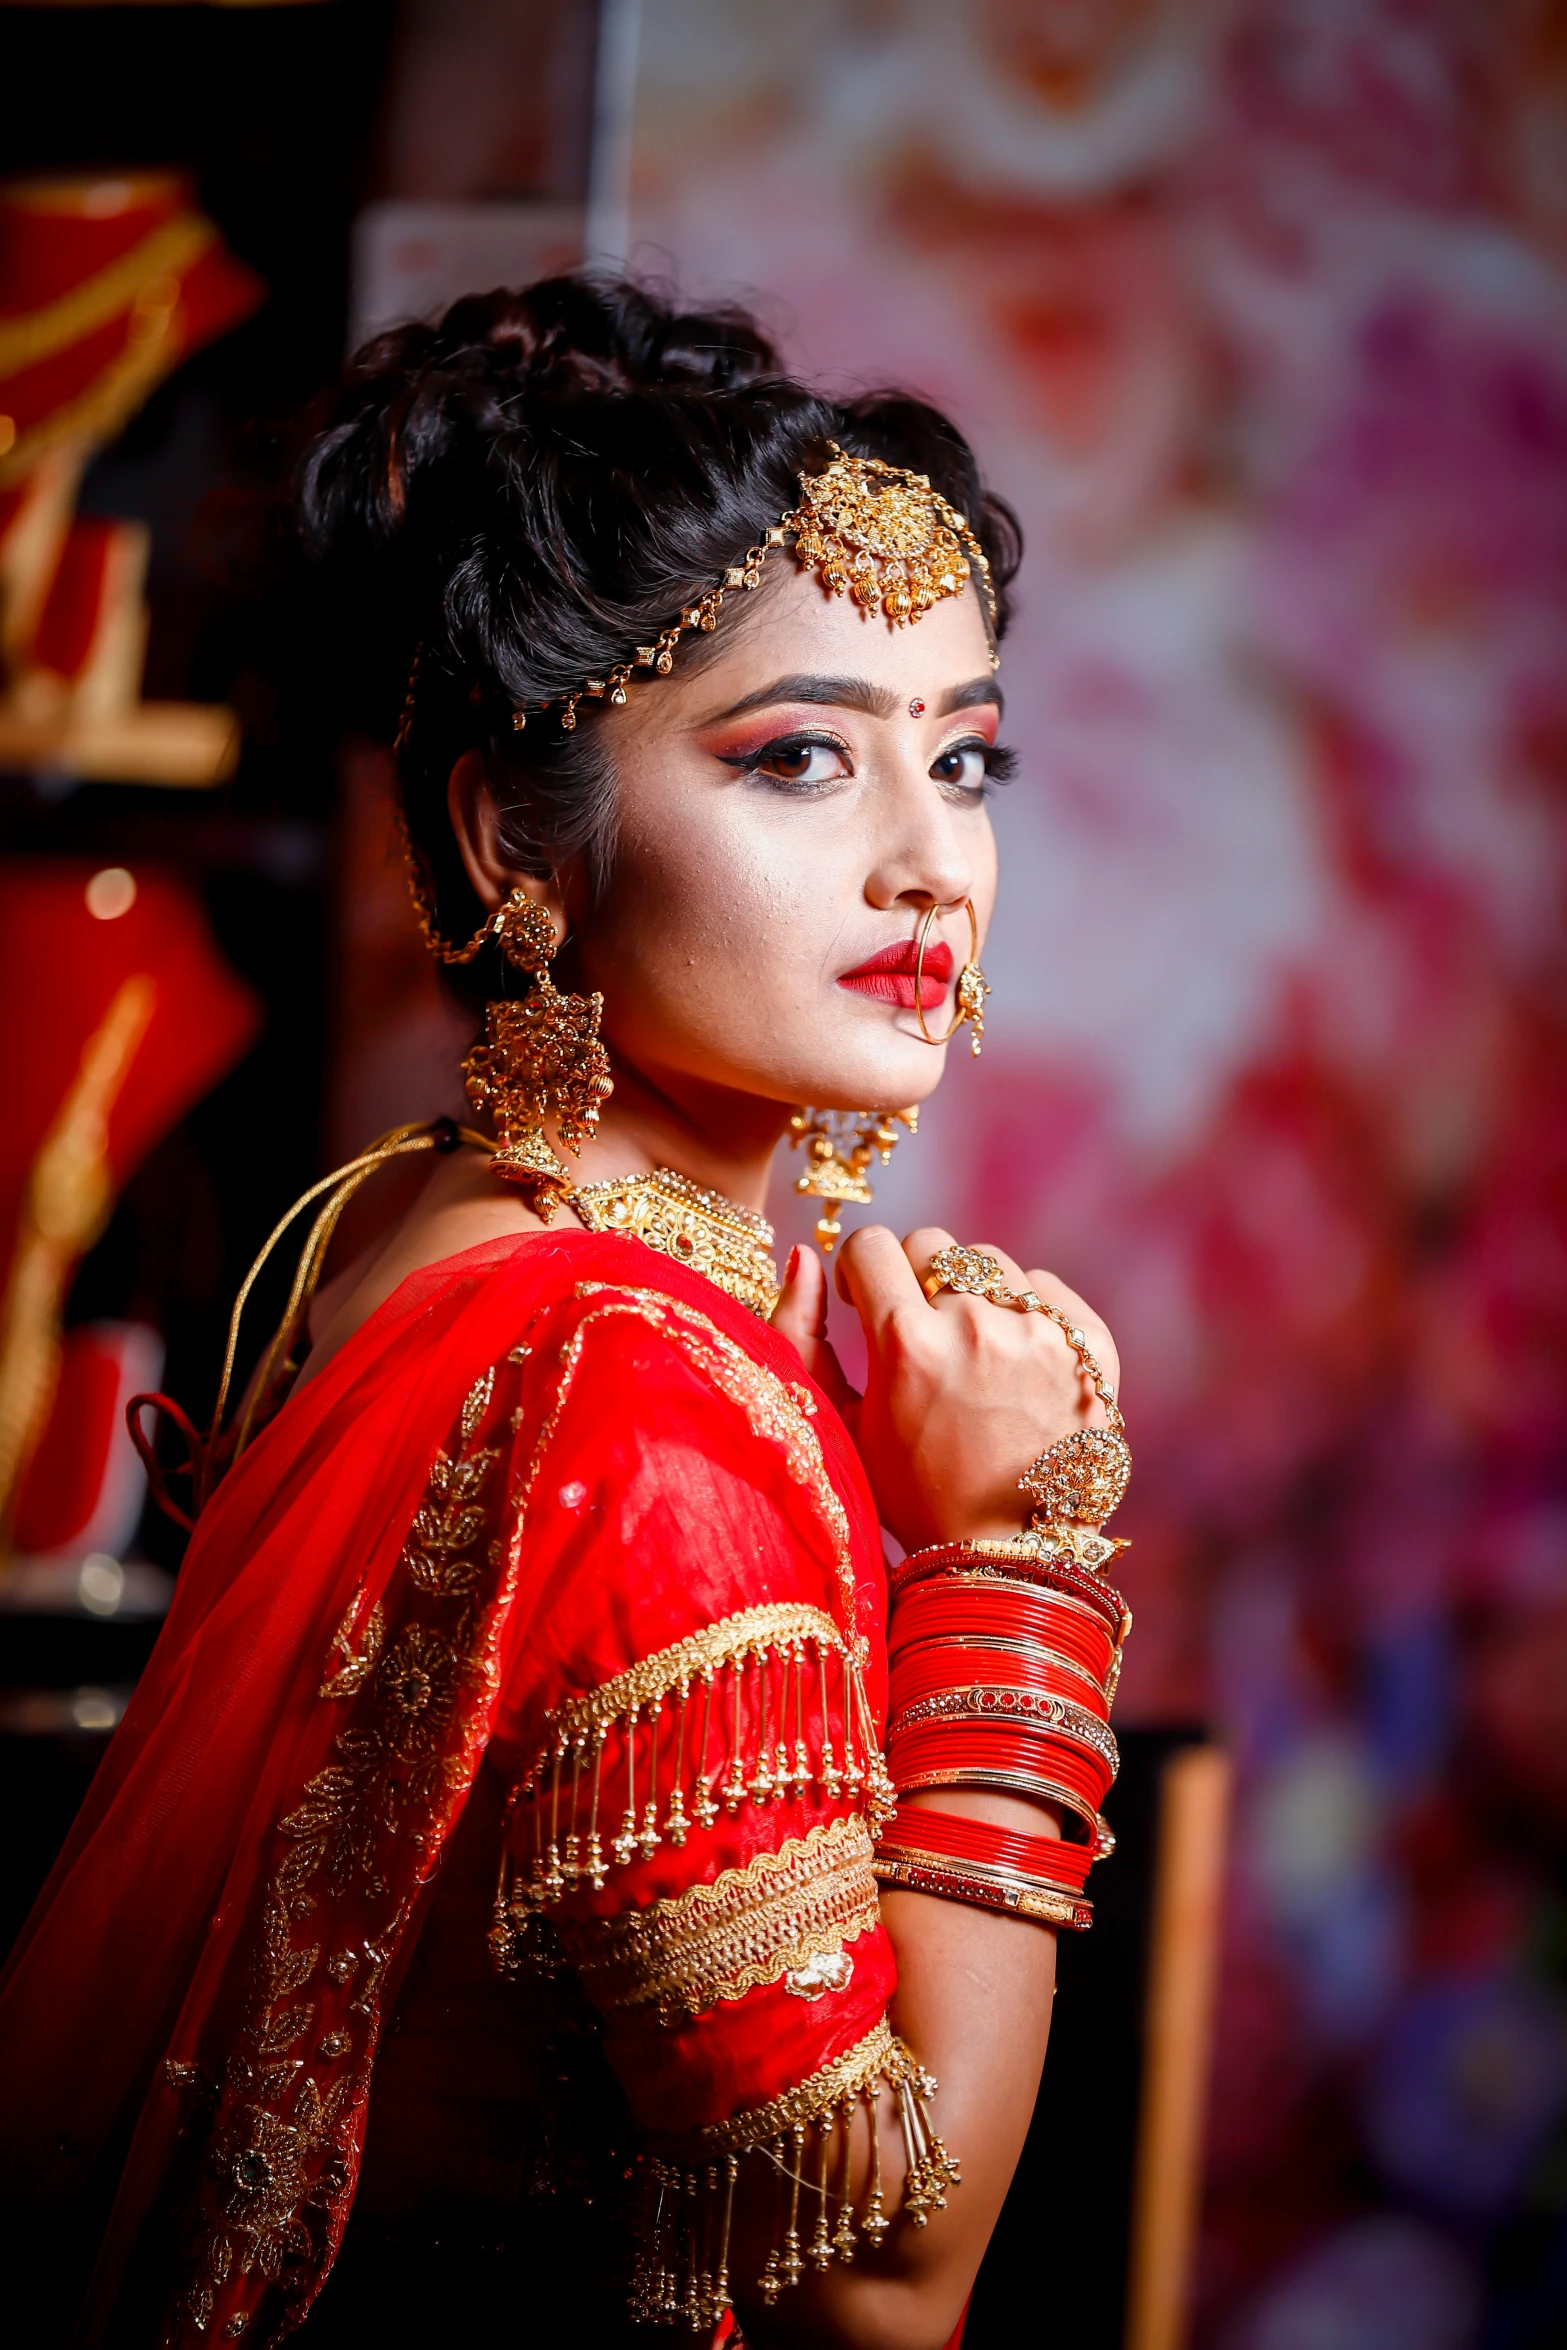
839	1147
973	986
540	1056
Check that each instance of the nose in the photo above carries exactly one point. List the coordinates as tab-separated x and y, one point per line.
925	862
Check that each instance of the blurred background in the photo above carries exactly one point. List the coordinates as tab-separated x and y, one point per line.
1257	312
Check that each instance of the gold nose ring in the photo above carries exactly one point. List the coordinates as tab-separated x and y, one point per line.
973	986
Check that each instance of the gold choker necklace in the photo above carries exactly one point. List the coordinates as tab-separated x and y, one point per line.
714	1236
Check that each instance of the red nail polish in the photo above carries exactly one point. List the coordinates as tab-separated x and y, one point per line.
792	1267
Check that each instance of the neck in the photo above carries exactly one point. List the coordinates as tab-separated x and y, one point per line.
716	1137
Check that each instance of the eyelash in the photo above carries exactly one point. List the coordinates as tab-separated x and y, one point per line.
1000	762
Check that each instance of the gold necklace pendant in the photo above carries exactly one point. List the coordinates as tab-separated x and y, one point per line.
730	1245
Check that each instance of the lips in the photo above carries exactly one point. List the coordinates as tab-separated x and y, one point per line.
889	976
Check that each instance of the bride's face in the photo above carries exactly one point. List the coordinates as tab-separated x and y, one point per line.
788	813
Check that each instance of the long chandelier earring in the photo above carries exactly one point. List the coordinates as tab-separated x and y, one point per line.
839	1148
540	1057
973	986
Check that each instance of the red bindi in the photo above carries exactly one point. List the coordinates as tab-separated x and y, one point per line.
916	709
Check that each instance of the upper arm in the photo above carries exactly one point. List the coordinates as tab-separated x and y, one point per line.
695	1765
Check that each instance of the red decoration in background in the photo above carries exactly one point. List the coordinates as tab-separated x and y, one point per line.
60	969
105	285
116	1015
84	1486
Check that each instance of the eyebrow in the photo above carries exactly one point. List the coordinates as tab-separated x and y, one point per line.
855	693
975	695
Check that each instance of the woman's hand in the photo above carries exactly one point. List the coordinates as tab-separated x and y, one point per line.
961	1394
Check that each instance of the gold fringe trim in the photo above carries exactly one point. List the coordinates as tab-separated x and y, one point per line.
748	1632
682	2271
760	1707
787	1913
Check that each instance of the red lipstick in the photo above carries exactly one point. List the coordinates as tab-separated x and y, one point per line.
889	975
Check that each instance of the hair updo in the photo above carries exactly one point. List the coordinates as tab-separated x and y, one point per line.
535	484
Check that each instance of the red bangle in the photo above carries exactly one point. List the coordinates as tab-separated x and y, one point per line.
1046	1768
946	1665
976	1760
964	1838
954	1603
1000	1565
1045	1628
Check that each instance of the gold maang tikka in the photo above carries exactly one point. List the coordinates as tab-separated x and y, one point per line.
540	1055
839	1147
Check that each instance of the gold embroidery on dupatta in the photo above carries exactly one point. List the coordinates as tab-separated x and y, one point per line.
452	1516
773	1407
283	2141
357	1663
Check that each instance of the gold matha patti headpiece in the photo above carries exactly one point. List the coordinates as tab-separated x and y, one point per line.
867	529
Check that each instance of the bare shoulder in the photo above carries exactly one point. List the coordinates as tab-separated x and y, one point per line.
460	1207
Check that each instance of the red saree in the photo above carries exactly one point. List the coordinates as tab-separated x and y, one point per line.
561	1514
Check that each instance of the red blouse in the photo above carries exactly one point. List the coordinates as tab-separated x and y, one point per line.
562	1510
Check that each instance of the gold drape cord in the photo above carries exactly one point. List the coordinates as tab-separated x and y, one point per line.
340	1186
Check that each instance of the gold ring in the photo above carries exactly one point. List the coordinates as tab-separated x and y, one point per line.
971	1272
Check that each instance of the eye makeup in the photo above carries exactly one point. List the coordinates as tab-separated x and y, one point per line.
801	749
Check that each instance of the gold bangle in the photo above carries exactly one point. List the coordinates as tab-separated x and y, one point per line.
1005	1708
983	1885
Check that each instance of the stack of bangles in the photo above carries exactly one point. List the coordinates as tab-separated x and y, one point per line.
1003	1659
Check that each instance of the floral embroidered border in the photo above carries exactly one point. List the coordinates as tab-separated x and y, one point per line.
356	1845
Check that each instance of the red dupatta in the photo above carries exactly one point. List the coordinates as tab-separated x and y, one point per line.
143	1947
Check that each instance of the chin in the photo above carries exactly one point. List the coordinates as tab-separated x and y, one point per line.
896	1077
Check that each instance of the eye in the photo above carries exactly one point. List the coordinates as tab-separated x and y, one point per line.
966	768
799	762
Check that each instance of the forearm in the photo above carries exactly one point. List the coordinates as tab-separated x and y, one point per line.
973	2005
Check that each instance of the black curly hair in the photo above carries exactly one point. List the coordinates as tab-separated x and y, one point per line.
540	481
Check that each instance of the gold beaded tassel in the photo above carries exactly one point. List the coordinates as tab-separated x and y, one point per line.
930	2168
681	2274
740	1731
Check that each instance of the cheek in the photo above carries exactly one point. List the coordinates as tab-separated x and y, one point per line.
724	908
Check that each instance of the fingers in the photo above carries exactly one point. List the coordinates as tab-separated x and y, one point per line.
801	1312
1101	1345
876	1277
921	1247
801	1316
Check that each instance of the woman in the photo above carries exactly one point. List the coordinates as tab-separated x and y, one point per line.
496	1907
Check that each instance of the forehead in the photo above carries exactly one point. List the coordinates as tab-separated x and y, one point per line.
791	625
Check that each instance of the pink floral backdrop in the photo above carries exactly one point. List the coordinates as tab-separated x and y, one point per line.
1257	314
